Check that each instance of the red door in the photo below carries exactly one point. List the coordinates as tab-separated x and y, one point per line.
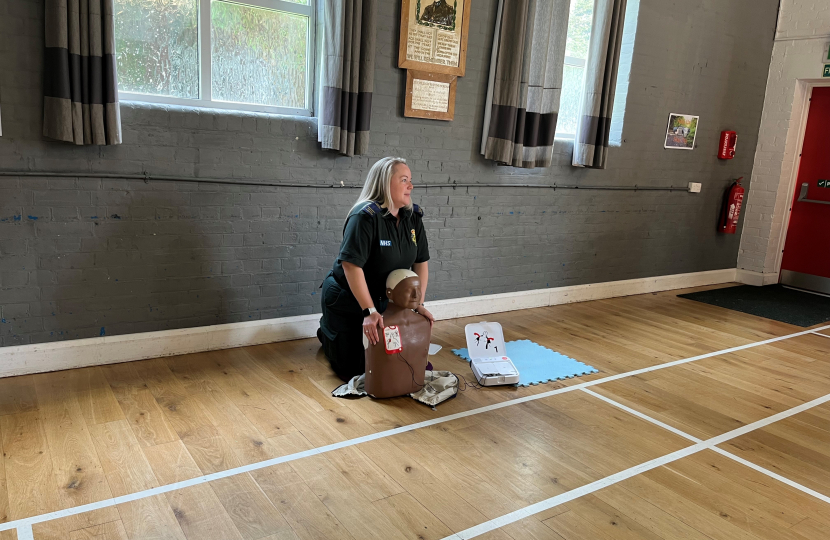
806	262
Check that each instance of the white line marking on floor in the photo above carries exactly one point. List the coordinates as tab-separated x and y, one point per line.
820	334
724	453
374	436
645	417
777	476
24	532
597	485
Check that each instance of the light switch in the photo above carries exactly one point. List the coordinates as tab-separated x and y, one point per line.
694	187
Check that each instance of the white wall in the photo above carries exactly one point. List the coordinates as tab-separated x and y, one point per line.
803	30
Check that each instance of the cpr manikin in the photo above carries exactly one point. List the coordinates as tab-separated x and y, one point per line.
395	365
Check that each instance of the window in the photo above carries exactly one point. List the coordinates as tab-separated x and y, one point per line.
576	52
254	55
632	11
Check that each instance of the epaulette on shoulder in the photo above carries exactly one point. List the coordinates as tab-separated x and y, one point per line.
417	210
372	209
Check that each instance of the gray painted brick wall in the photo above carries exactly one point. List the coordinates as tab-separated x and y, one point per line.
82	257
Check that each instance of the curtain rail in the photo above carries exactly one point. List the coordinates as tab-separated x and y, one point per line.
265	183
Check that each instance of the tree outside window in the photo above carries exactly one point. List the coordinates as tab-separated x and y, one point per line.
254	55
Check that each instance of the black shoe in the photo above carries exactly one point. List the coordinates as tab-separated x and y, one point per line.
320	335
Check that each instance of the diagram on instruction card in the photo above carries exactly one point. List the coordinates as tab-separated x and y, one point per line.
485	339
488	341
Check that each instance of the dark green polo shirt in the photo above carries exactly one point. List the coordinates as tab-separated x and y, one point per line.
374	241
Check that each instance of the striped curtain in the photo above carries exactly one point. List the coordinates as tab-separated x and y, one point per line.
347	75
594	125
525	82
80	101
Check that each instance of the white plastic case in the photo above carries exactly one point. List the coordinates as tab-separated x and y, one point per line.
488	355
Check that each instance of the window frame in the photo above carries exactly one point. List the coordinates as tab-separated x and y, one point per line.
206	64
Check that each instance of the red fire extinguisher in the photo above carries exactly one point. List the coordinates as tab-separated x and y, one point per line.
731	211
726	146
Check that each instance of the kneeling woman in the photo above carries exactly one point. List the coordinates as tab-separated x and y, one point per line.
384	231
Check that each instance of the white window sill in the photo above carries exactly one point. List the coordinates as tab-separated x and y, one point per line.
143	99
569	139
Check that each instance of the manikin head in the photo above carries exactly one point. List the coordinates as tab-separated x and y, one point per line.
403	287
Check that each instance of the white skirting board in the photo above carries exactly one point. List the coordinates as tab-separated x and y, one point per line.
42	357
759	279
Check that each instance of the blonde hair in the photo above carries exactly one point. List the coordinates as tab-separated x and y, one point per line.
378	181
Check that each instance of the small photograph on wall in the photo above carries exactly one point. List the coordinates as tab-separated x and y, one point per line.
681	131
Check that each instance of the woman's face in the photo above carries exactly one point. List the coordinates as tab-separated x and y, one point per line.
401	186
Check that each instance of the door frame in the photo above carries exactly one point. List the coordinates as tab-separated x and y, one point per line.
804	92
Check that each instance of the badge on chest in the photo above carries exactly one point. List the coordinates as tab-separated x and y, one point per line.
386	243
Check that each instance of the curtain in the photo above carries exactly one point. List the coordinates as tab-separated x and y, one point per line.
80	97
347	75
525	82
594	121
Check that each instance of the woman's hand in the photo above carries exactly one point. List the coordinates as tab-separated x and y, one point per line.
426	314
371	325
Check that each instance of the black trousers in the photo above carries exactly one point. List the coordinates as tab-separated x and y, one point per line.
341	329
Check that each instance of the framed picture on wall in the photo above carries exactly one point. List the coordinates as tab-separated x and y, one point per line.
434	36
430	95
681	131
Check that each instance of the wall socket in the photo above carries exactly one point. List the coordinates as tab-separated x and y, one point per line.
694	187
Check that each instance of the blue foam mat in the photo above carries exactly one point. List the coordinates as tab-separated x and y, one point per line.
537	364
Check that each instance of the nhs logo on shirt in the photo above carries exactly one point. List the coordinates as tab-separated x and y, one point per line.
386	243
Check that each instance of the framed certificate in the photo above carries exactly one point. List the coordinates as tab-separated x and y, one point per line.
434	36
430	95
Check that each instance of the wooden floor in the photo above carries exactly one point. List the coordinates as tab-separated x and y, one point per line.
76	437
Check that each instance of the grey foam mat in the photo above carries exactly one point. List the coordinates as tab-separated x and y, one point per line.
774	302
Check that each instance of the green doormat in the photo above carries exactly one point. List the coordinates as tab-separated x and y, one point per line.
774	302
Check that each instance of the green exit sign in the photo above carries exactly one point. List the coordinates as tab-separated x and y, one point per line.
824	183
826	72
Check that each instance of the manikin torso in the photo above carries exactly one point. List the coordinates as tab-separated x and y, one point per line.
398	374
